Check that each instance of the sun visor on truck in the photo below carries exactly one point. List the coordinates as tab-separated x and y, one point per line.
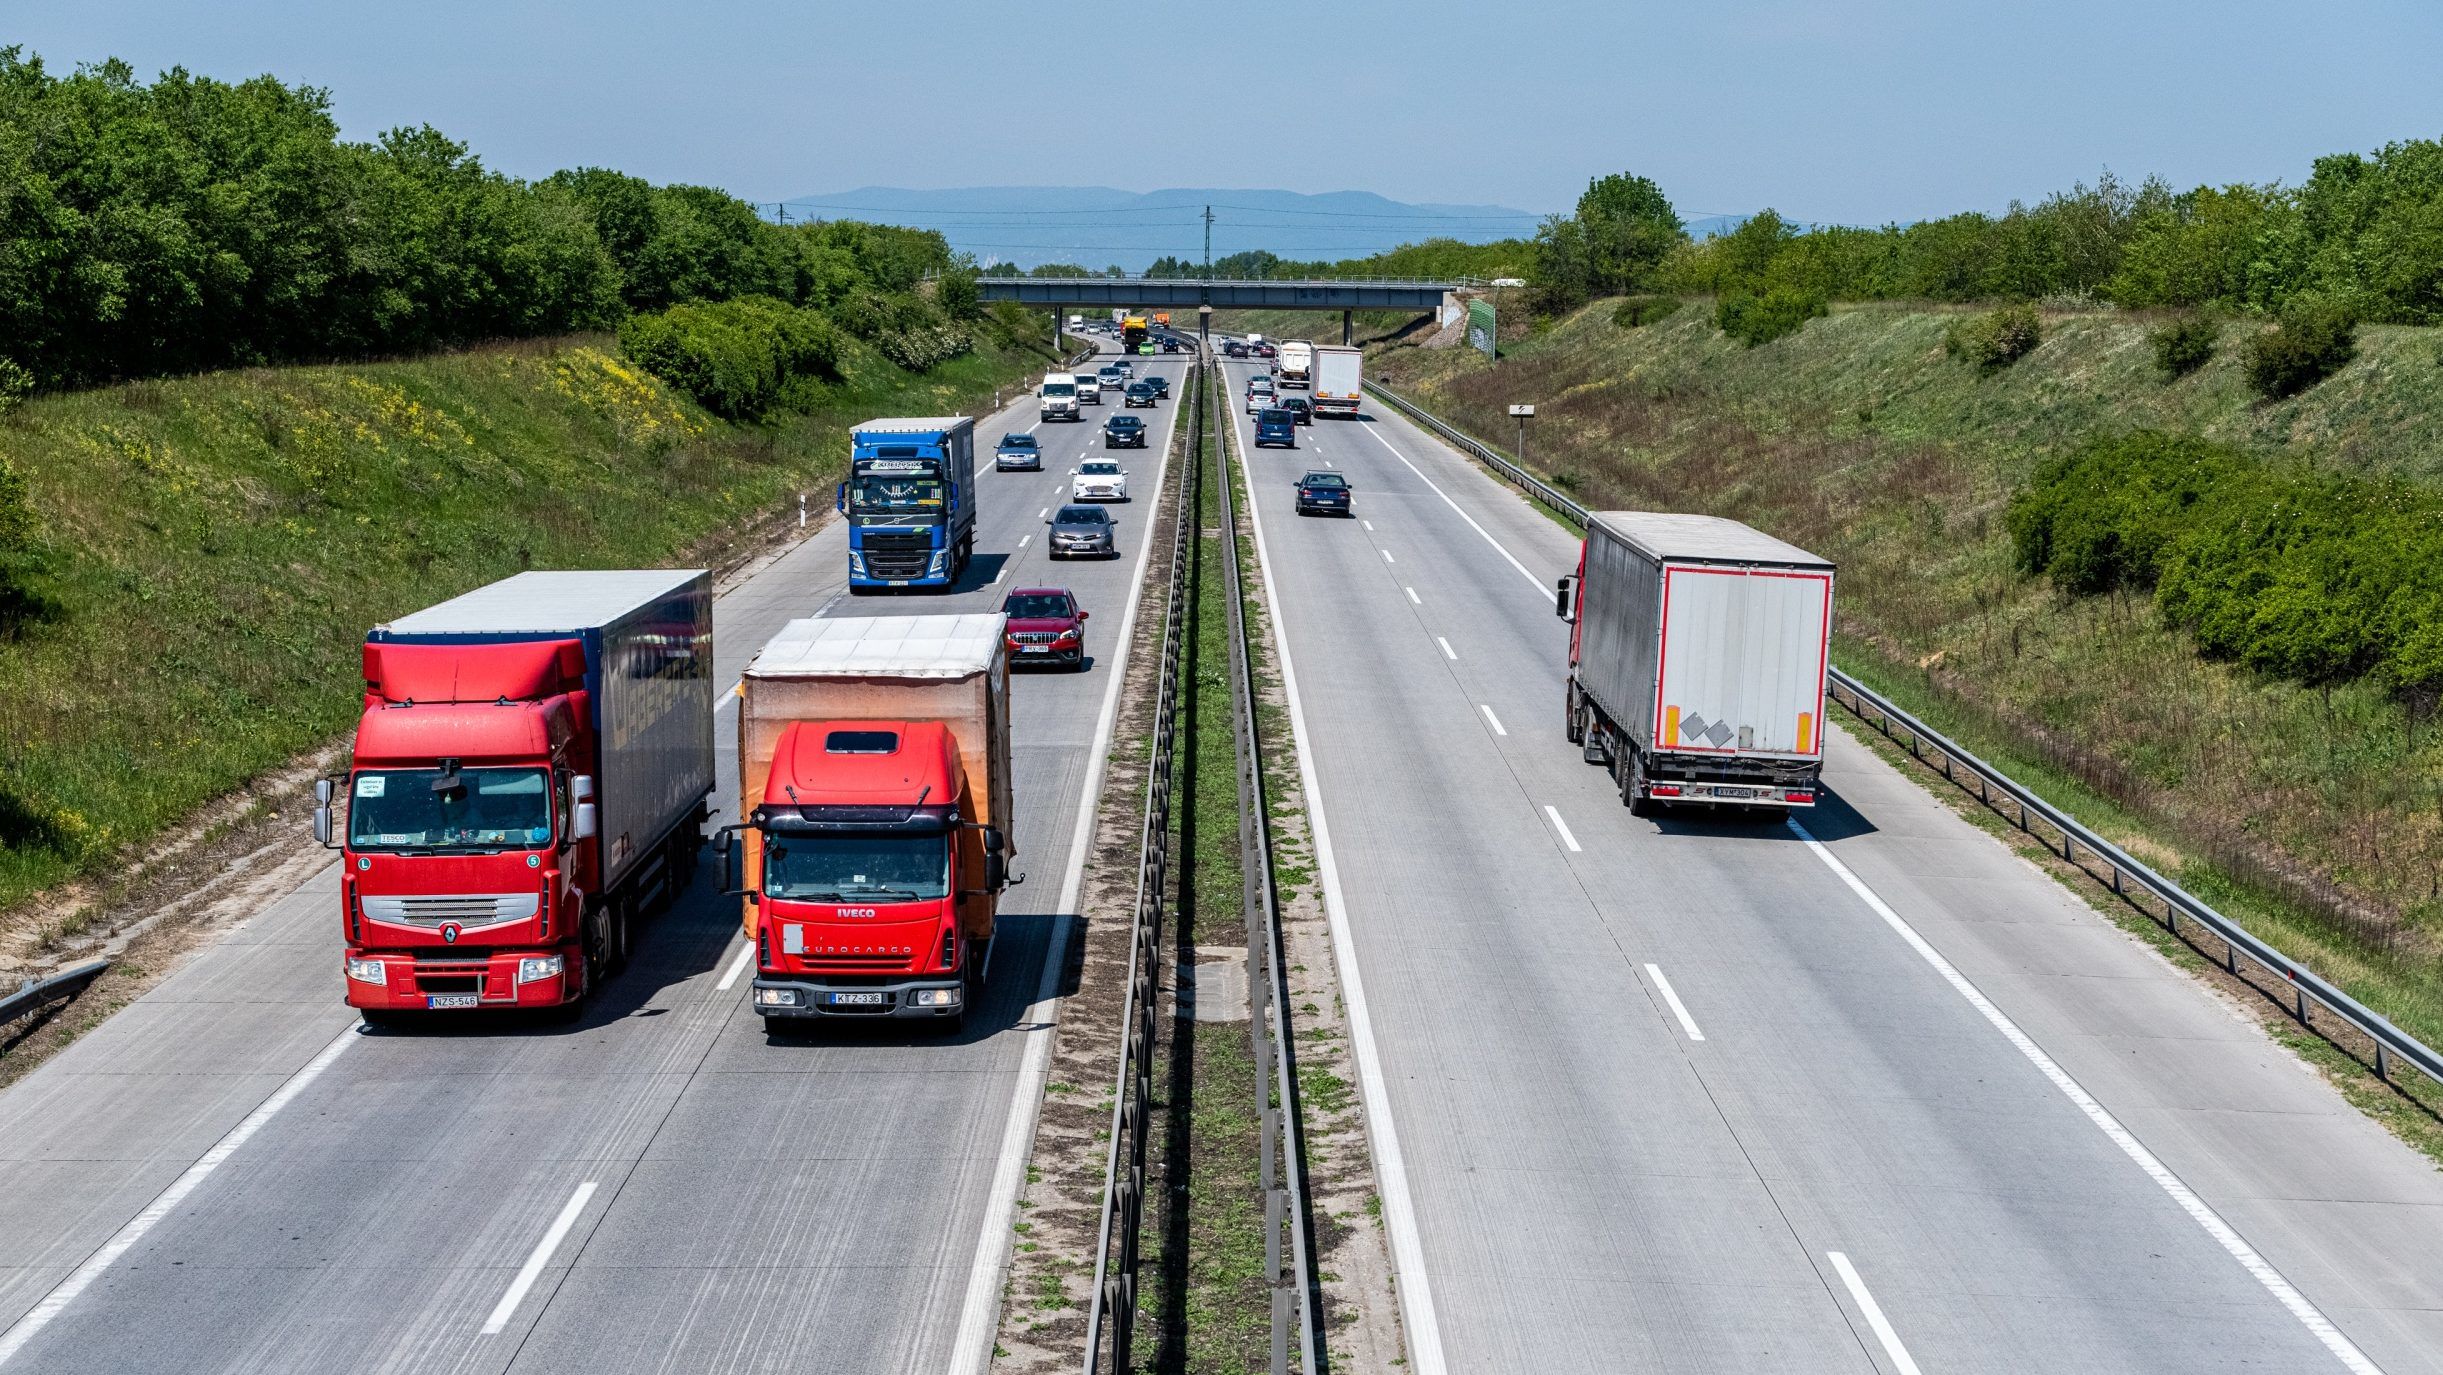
520	671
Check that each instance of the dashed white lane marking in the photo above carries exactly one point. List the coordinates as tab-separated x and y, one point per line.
541	1256
1671	996
737	967
1463	515
1558	824
1447	651
1368	524
1491	719
2284	1293
1412	596
1873	1311
1022	540
1387	557
164	1203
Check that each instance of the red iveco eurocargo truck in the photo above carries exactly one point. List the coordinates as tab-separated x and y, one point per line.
528	781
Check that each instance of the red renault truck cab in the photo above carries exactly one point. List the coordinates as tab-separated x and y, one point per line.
528	781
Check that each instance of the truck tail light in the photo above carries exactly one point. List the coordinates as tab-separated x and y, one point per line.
1799	795
950	948
1665	790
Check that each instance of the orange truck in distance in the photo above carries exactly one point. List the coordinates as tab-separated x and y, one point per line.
874	803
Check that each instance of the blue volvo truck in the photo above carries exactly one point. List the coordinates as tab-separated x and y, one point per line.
910	500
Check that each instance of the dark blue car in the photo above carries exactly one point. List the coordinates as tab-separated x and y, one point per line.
1323	494
1274	425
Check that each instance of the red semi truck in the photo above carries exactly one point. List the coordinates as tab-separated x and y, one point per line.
1697	655
528	782
874	787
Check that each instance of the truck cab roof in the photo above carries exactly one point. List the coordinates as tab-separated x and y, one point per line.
864	764
915	425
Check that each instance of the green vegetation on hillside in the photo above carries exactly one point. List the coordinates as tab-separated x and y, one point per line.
214	547
2242	708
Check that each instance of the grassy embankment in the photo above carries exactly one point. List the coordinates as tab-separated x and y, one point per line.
218	544
2315	814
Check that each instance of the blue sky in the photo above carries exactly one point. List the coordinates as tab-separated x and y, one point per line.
1835	110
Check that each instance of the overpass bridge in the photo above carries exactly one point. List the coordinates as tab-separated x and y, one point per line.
1206	295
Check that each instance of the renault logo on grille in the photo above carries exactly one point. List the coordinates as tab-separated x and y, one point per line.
449	932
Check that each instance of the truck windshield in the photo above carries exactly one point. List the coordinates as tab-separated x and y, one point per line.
894	494
844	868
472	809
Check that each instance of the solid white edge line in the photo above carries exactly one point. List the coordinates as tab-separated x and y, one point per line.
980	1314
737	967
1463	515
1447	651
78	1281
1568	837
2199	1211
1672	996
1415	1288
1491	719
1873	1311
537	1259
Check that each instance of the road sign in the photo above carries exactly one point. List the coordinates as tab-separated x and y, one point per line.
1522	411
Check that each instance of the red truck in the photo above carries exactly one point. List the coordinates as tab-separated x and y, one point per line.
529	781
874	787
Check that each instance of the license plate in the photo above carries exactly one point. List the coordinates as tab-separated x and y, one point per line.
1034	649
439	1000
854	999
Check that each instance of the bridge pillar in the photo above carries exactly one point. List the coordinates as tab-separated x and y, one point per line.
1347	335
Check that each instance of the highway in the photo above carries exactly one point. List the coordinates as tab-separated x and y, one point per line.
1702	1095
232	1174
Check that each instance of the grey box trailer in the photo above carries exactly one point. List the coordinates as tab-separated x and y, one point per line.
1698	653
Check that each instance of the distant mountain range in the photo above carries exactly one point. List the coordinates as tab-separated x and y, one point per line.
1100	226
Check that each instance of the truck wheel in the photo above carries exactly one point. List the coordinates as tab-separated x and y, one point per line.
1633	784
1574	724
622	932
596	945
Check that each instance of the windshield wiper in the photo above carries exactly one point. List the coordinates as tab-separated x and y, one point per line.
905	894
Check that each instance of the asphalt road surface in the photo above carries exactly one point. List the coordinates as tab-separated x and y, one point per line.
659	1187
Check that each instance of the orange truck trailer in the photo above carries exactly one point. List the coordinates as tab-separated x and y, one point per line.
874	803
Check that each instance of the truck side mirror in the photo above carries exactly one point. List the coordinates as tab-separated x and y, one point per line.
588	819
733	856
323	791
1561	598
839	498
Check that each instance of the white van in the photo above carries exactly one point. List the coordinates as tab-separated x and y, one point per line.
1059	397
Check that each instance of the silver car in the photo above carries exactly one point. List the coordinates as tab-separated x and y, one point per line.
1079	531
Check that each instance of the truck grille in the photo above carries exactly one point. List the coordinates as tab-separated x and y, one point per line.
896	553
821	962
466	909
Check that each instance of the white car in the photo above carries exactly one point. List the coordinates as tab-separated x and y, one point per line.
1098	479
1258	397
1089	389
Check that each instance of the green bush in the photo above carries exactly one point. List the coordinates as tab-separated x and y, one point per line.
1752	319
2303	575
733	357
2309	341
2183	345
22	599
1639	311
1996	339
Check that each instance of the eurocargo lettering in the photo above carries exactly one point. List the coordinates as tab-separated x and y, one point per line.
528	784
874	787
1697	654
910	501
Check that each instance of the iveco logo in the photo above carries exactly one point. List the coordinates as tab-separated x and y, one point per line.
856	911
449	933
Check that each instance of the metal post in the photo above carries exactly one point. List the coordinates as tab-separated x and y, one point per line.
1347	334
801	510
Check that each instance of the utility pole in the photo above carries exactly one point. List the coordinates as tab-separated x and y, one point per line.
1208	243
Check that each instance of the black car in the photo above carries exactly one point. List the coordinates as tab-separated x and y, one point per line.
1169	345
1234	349
1080	529
1142	394
1323	494
1161	385
1300	407
1019	453
1124	431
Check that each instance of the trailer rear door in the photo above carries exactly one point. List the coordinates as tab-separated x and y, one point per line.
1742	661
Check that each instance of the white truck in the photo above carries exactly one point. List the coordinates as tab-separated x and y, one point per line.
1295	368
1058	398
1697	654
1337	378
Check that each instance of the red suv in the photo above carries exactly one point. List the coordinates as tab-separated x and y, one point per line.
1046	626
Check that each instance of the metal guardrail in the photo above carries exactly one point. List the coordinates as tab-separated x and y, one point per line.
35	994
2130	879
1282	1134
1111	1316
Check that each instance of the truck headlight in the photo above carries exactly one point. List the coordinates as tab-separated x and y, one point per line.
936	997
367	972
856	563
940	560
534	969
775	997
